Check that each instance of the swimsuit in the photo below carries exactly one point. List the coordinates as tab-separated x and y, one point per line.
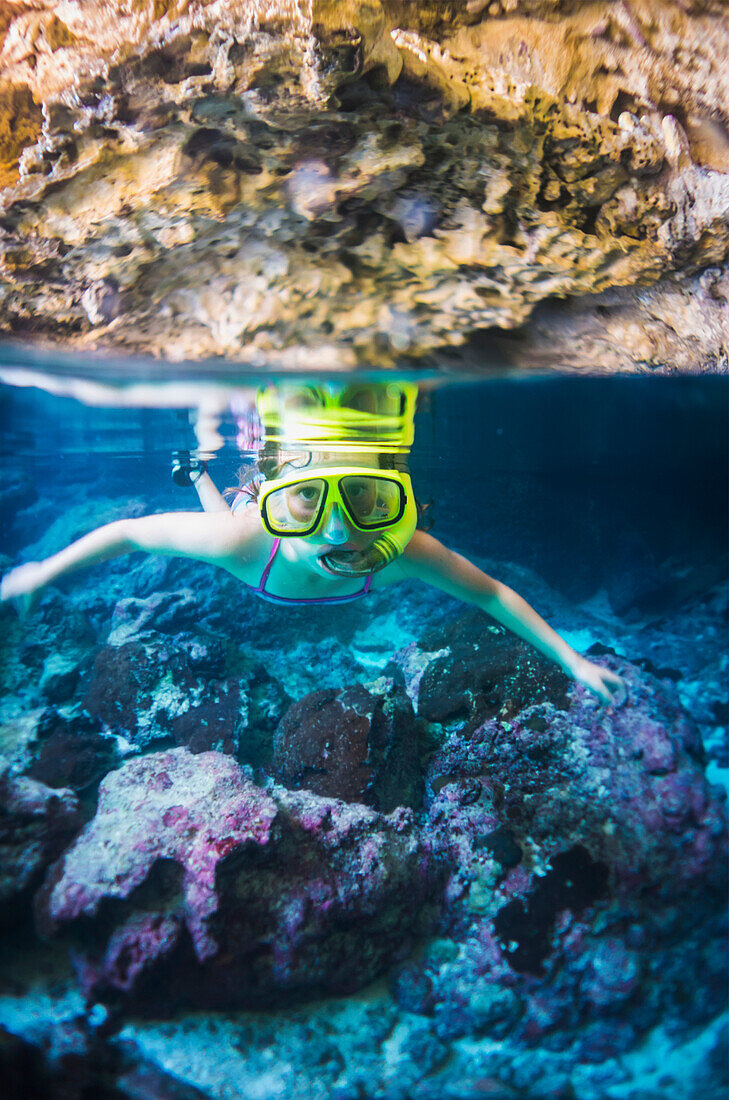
261	590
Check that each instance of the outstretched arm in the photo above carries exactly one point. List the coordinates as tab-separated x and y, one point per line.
210	496
428	560
212	538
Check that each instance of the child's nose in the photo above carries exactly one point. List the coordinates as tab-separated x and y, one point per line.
336	530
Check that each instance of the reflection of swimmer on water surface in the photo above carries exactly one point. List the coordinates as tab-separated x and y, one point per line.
323	526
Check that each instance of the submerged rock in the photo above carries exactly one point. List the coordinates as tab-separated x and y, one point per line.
361	744
169	690
478	670
193	886
36	824
71	751
570	859
577	835
165	676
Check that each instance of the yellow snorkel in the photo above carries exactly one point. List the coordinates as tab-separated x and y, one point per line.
387	546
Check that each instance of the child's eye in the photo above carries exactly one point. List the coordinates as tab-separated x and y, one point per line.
358	489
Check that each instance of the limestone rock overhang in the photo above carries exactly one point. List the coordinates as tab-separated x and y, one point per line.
368	182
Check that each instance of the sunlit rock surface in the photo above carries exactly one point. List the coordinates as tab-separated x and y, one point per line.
365	182
226	894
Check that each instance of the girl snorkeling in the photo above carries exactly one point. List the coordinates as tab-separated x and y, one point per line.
320	526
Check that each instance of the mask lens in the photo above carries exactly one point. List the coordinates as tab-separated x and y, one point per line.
385	401
372	501
295	508
306	398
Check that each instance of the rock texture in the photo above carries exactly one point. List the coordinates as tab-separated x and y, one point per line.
568	862
344	183
361	744
575	832
200	888
571	835
677	325
157	682
36	824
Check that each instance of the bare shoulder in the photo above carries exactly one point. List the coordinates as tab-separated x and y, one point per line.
423	547
422	550
244	533
244	524
222	528
236	542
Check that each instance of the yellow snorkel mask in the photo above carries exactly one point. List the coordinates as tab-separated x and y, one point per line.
368	499
364	416
353	418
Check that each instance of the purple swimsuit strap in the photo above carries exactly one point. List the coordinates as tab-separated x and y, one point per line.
261	590
264	575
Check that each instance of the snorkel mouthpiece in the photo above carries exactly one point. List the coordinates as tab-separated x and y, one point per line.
389	545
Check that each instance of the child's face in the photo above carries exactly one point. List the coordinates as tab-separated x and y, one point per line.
337	533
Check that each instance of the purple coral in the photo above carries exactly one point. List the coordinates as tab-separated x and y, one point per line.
570	827
232	893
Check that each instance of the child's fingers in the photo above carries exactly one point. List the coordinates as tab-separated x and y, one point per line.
608	686
11	585
612	677
24	604
619	696
7	587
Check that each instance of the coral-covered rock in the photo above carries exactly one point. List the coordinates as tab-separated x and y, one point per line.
361	744
171	689
63	1057
42	659
194	886
481	671
60	679
163	677
36	824
71	751
626	783
569	830
175	614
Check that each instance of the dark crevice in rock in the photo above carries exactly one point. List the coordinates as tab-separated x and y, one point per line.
525	929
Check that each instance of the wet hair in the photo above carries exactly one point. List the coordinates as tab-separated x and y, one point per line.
272	460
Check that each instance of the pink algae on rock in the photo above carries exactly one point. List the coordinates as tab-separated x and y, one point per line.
207	890
140	820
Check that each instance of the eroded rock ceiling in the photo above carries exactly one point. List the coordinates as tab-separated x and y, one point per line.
333	184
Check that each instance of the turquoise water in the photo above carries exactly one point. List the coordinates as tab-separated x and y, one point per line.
602	502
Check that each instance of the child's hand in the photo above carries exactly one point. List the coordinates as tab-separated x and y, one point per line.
607	685
21	584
